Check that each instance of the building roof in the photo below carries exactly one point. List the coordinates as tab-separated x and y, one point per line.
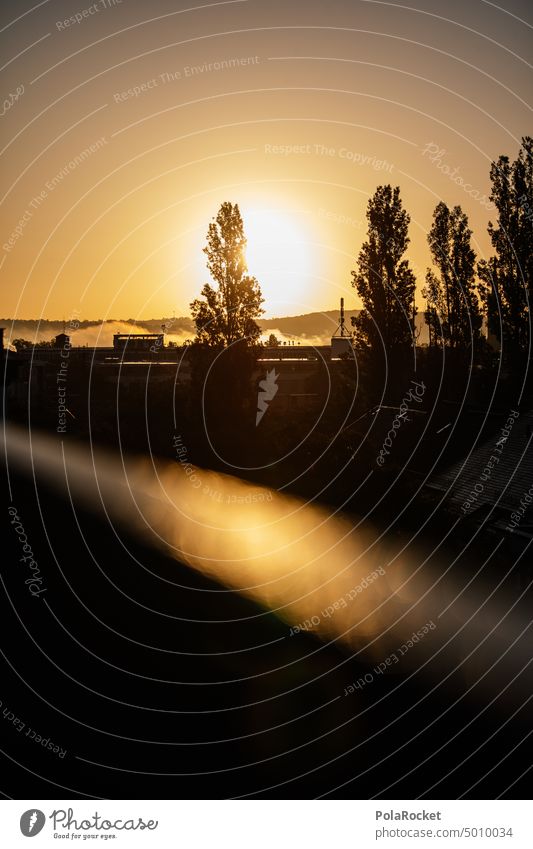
497	473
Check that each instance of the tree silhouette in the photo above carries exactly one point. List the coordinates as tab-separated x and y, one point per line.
508	276
453	314
24	344
384	281
228	311
273	341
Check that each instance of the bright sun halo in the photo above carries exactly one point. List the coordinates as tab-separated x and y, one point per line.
278	254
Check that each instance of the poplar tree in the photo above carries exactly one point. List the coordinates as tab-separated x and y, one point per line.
453	309
227	311
508	275
383	279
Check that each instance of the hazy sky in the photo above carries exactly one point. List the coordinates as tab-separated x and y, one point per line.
294	110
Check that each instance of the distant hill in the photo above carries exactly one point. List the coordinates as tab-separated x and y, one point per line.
314	328
317	327
96	332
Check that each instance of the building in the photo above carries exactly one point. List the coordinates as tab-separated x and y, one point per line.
138	342
62	340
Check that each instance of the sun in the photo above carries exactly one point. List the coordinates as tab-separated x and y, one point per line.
279	254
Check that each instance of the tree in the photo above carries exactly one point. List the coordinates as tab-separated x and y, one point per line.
24	344
508	276
383	280
453	314
273	341
228	312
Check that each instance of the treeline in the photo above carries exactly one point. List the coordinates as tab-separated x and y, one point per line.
459	290
326	446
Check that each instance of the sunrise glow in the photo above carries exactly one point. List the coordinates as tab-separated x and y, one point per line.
280	254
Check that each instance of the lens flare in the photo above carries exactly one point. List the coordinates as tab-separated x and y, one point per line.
317	571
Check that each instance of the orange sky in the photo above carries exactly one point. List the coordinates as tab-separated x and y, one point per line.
296	111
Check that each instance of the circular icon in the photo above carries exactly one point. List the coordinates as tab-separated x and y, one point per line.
32	822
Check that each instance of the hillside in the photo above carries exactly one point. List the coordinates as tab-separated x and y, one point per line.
314	328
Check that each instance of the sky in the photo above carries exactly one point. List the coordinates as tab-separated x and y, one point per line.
127	124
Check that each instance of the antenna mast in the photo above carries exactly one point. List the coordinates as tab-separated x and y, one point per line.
341	329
